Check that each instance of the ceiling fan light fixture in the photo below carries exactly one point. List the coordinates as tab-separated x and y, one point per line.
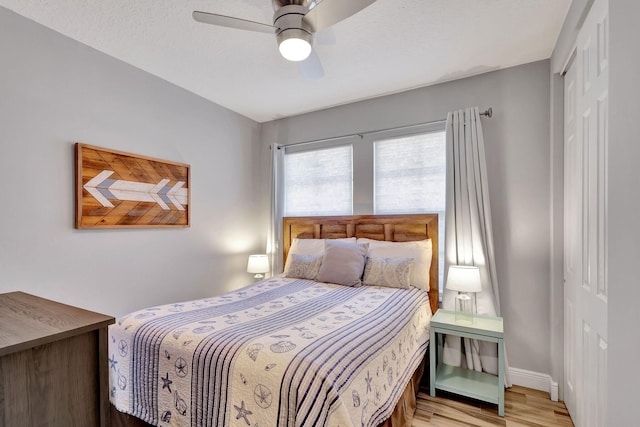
294	44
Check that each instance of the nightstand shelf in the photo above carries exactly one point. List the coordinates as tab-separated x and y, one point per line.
477	385
462	381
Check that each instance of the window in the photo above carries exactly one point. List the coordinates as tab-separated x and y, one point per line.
388	172
319	182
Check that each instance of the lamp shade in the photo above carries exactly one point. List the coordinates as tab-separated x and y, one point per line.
294	44
464	278
258	264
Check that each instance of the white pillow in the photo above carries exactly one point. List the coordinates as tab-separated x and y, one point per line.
313	247
420	251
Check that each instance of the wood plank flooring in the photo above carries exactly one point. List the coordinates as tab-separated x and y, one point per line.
523	407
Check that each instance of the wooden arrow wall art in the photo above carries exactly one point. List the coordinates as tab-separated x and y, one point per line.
122	190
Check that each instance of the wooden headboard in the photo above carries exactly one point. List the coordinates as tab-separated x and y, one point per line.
391	228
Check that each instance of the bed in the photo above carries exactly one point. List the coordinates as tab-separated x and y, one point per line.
299	348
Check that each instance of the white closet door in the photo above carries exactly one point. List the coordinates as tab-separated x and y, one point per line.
586	136
572	237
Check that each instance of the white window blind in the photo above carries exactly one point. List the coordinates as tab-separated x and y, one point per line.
319	182
409	177
409	174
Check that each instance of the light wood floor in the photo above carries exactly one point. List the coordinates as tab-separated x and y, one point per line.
523	407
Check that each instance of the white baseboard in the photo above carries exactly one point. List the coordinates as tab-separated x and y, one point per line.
534	380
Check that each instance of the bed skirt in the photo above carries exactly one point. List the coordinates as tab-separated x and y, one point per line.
401	417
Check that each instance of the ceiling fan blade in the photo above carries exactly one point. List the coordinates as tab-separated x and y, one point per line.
230	22
311	68
329	12
325	37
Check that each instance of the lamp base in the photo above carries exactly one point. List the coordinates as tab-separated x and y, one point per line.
258	276
464	309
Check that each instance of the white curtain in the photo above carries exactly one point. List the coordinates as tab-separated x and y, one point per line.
469	235
274	246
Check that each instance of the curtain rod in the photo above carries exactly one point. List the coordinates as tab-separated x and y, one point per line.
487	113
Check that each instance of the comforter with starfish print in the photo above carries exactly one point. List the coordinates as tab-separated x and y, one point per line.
282	352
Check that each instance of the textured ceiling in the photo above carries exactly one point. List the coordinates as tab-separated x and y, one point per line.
390	46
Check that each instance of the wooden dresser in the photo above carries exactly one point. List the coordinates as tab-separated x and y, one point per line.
53	363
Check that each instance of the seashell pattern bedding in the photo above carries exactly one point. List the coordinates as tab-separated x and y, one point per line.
284	352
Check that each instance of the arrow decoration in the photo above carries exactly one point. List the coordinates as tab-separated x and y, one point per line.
104	189
115	189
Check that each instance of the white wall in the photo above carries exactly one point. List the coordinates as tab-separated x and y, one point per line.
623	198
517	147
561	54
55	91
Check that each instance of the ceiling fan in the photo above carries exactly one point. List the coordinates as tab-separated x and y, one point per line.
294	24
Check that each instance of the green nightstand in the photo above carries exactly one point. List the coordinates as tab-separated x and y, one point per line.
467	382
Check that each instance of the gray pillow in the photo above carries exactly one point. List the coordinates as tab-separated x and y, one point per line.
388	272
304	266
343	263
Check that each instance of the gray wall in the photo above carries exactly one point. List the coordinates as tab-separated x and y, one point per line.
517	147
623	208
55	91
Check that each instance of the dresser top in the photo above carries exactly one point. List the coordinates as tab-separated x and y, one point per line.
28	321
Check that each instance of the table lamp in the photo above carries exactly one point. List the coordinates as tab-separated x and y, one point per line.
464	279
258	264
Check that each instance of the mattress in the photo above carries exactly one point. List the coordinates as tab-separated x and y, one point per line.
284	352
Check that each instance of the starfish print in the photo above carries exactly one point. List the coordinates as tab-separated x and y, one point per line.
166	382
181	367
243	412
122	347
113	362
262	396
368	380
